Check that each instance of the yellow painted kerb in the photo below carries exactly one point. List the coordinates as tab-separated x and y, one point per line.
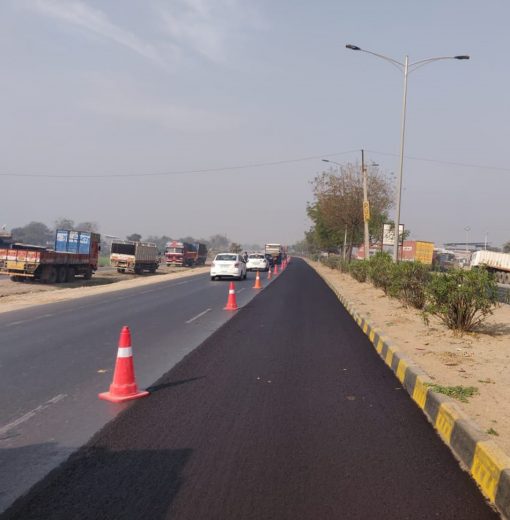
488	463
365	327
372	335
445	421
389	356
380	345
420	393
401	370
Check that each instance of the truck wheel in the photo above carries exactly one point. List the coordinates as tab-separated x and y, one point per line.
50	274
87	275
62	274
70	274
15	278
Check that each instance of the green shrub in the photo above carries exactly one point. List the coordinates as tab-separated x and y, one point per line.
380	270
409	282
462	300
333	261
359	270
344	266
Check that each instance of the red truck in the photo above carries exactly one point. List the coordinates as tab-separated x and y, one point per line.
76	254
180	253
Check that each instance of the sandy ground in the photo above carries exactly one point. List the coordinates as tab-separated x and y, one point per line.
479	359
15	295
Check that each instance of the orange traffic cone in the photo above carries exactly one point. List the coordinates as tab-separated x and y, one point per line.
275	272
269	274
257	282
123	387
231	302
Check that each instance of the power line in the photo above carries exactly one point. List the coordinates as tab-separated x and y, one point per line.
178	172
450	163
243	167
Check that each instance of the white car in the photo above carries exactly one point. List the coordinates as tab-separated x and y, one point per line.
228	265
257	262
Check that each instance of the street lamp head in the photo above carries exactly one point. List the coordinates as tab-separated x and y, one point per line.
461	57
353	47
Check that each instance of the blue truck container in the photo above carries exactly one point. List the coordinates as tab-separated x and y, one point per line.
68	241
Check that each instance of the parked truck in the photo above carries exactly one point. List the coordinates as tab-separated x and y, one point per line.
134	257
184	254
497	263
276	251
201	253
75	254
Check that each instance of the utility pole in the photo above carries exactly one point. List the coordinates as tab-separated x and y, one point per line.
366	207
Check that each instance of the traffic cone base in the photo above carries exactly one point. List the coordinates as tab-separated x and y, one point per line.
109	396
123	387
231	302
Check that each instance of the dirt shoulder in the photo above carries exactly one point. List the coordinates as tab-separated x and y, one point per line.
479	359
15	295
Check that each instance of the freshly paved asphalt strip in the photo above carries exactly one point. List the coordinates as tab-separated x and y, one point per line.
286	412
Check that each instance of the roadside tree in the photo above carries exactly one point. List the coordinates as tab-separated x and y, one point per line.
35	233
338	205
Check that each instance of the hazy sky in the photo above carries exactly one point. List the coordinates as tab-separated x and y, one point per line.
97	88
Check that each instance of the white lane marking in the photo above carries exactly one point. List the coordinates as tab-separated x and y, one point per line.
145	292
199	315
29	415
180	283
15	323
29	320
240	290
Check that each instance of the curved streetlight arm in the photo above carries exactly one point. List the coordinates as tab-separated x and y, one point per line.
400	66
417	64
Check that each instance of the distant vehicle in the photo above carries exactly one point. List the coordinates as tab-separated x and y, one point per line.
270	259
444	261
276	251
228	265
135	257
497	263
76	254
257	262
5	238
182	254
201	250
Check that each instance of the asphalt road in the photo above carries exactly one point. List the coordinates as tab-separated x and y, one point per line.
55	359
285	412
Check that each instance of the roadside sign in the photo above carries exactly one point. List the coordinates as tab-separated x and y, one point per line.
366	211
389	235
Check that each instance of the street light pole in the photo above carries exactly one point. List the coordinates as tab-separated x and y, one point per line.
406	68
366	208
396	233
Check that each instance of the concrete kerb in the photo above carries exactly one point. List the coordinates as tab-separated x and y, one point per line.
478	454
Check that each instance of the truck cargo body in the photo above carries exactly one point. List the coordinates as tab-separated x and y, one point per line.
201	250
180	254
497	263
135	257
276	251
24	261
417	251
